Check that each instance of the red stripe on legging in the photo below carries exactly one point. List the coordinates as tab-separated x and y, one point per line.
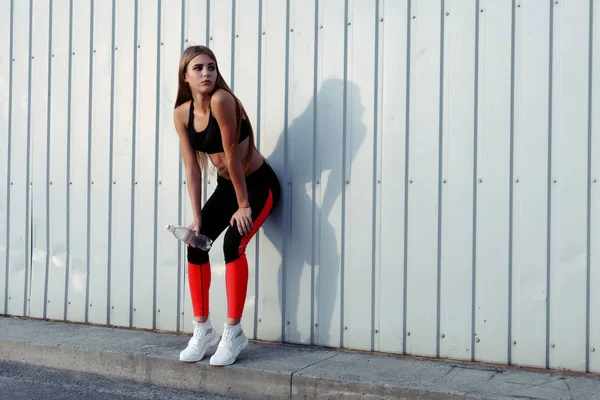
257	223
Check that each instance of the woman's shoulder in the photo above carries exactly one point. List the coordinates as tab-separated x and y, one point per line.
221	98
182	111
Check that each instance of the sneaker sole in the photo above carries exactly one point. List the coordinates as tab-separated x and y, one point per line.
232	360
210	344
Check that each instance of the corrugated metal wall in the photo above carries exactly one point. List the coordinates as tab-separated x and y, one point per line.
439	163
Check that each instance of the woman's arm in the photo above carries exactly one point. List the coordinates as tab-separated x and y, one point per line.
193	172
224	109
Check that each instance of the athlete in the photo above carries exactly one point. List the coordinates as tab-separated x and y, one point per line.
212	125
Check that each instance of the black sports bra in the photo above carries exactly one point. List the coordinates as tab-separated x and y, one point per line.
209	140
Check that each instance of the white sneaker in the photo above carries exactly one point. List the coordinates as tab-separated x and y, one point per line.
204	337
232	343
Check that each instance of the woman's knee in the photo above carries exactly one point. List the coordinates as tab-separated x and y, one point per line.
233	247
197	256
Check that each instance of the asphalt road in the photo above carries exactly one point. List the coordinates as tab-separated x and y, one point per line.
26	382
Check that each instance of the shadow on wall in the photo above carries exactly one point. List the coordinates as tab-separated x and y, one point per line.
299	203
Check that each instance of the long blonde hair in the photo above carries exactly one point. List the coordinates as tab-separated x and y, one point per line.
185	94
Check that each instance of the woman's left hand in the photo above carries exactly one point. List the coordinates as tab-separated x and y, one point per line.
243	217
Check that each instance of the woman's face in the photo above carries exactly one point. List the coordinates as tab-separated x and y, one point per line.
201	74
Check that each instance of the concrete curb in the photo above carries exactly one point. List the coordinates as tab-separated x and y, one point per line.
273	371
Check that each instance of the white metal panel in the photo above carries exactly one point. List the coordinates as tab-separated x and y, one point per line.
6	26
530	190
423	205
594	215
81	54
359	137
145	223
394	36
456	263
19	213
168	249
58	159
122	154
493	182
196	14
327	284
102	85
569	167
247	60
39	163
272	131
299	266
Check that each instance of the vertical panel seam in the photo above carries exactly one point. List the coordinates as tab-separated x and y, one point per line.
344	189
511	184
89	161
180	193
233	16
257	136
406	167
8	158
68	189
133	163
375	222
589	188
28	219
315	173
549	195
156	160
439	180
475	172
110	162
48	164
286	164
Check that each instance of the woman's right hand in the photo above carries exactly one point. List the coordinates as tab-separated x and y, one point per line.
195	227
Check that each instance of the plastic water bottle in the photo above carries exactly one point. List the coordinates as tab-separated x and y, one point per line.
189	237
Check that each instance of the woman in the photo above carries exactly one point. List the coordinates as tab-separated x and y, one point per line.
212	124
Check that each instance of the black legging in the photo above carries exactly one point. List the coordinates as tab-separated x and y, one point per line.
263	195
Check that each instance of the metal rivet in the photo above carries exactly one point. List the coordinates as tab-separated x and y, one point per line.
139	45
160	182
69	303
552	345
182	313
477	340
48	301
381	20
92	182
113	307
518	5
32	57
514	342
70	183
292	30
318	182
407	333
480	180
556	2
378	180
11	184
9	297
594	180
161	43
347	182
134	309
260	320
186	40
116	48
554	181
91	305
94	51
159	310
593	349
376	330
264	32
208	182
287	322
447	13
414	16
184	182
51	182
211	38
444	181
237	35
114	182
482	10
517	180
136	182
316	325
410	181
321	27
345	328
349	23
443	336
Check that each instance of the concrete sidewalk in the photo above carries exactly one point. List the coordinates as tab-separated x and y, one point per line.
275	371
